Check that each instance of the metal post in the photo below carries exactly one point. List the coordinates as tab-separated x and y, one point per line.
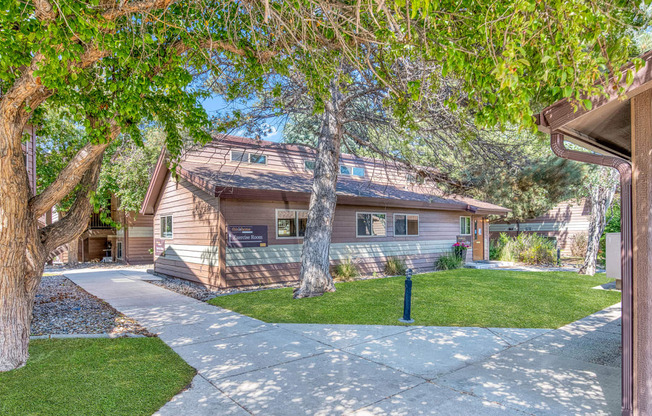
407	298
558	257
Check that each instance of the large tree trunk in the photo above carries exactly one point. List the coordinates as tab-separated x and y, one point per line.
601	197
315	262
15	297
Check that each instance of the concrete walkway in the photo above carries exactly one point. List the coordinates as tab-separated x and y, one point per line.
246	366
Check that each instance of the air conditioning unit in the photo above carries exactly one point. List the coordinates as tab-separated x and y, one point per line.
613	257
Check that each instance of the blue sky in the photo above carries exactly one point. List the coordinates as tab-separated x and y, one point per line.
214	104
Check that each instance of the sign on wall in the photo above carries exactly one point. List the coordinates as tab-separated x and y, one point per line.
159	246
247	236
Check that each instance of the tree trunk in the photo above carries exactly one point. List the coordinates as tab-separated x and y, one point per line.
315	274
601	196
15	297
73	247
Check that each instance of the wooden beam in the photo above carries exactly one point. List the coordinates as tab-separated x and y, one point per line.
642	250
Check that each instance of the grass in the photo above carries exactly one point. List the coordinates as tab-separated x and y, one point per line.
465	297
126	376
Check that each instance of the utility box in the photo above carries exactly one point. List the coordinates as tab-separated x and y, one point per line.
613	257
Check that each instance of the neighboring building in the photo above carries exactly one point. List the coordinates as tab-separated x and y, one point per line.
132	243
237	212
565	222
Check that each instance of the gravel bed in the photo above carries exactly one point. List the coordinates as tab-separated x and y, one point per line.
202	293
62	307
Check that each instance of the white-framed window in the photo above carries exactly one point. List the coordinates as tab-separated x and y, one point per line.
291	223
345	170
166	226
411	178
246	157
257	159
357	171
406	224
371	224
118	250
465	225
309	165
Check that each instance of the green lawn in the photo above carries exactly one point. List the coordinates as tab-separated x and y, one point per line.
465	297
126	376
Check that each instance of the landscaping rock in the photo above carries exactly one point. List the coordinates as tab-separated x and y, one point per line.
62	307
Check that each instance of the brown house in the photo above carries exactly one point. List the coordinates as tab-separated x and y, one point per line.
236	214
131	243
565	222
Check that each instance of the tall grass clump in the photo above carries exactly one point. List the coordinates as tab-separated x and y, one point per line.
449	261
346	271
395	266
529	248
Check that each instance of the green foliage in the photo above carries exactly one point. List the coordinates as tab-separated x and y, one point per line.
124	376
463	297
612	226
530	248
346	271
449	261
395	266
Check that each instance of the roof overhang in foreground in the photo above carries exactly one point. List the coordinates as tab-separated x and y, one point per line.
606	128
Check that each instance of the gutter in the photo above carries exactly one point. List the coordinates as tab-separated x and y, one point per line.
625	170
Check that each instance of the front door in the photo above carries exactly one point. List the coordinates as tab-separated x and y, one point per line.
478	238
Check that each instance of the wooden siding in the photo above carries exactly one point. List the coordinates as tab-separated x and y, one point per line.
564	222
285	159
280	260
138	238
193	252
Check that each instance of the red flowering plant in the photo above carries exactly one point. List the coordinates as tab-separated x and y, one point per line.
460	249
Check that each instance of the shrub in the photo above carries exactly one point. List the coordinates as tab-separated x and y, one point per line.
346	271
530	248
449	261
395	266
578	244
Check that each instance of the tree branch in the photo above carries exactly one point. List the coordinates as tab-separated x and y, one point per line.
70	176
124	8
44	11
71	226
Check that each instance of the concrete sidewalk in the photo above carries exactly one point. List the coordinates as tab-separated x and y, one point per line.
246	366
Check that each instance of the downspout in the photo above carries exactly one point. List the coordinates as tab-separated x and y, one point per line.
625	170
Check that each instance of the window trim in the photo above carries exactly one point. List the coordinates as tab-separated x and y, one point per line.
247	157
296	222
239	151
364	172
370	213
257	155
406	215
470	224
119	248
160	231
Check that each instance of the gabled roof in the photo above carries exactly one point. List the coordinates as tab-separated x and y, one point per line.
229	181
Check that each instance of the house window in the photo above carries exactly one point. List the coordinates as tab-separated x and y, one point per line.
418	179
345	170
291	223
166	226
358	172
406	224
244	157
371	224
309	165
257	159
238	156
118	250
465	225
